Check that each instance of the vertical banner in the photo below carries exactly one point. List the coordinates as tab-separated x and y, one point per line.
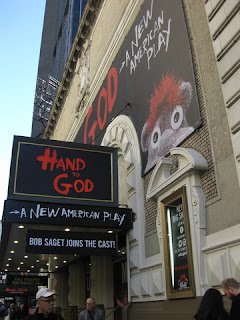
177	246
151	81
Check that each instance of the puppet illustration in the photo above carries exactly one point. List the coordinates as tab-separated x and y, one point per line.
166	125
183	282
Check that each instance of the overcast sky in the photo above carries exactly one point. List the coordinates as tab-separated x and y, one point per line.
21	23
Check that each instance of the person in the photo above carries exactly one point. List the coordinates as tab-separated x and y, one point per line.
211	307
91	312
21	312
12	312
3	310
232	289
45	304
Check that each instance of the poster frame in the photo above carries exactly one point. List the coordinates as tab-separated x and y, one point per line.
171	292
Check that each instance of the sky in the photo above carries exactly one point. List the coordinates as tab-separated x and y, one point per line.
21	23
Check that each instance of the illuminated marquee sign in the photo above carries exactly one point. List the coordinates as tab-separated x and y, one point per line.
55	171
91	243
10	290
20	280
16	211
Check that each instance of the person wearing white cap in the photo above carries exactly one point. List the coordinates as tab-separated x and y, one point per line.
45	304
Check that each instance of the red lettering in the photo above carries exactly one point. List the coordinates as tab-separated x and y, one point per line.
46	158
112	94
101	123
67	186
61	164
76	186
16	290
91	133
109	97
88	185
70	164
64	164
80	165
185	266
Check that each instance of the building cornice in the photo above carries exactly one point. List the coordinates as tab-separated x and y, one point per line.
83	33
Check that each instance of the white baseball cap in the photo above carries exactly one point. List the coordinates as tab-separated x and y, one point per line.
44	293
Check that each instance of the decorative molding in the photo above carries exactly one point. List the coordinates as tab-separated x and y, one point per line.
234	258
144	284
216	9
188	160
222	27
157	283
228	46
235	128
134	286
82	34
234	68
162	184
230	102
222	256
216	268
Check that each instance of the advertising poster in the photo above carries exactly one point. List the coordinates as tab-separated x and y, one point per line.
178	253
152	82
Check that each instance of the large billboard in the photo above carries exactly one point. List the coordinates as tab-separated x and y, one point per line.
63	172
151	81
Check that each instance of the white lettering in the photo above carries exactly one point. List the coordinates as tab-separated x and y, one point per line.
149	40
74	243
53	242
106	244
90	243
35	241
23	213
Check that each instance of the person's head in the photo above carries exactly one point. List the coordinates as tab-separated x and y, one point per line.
90	303
45	301
12	306
211	303
21	307
231	287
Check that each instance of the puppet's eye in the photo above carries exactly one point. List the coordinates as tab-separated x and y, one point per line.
177	117
156	137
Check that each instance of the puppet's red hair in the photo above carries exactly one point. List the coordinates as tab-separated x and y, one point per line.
165	97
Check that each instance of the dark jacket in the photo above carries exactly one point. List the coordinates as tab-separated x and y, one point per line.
20	314
40	316
235	309
213	316
12	314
